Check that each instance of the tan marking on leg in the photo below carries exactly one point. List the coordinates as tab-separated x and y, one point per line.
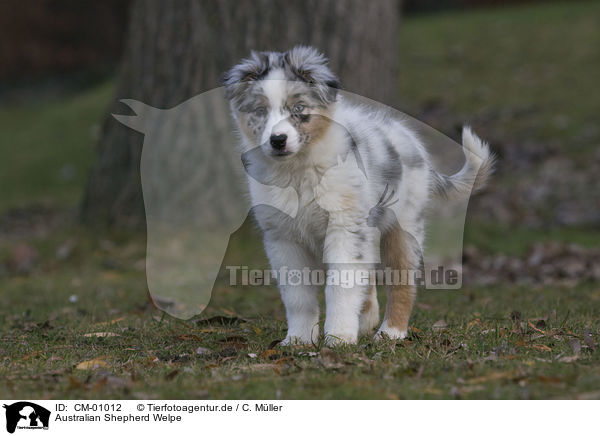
400	298
367	304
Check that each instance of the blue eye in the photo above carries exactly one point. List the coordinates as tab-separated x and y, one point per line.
260	111
298	108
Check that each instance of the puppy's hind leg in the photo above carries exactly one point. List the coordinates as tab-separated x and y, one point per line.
399	254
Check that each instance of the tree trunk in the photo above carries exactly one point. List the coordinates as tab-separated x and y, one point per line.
176	50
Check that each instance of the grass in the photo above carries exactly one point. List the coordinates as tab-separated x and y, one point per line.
501	342
49	147
515	241
530	69
83	327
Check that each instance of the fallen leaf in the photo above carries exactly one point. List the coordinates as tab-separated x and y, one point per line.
283	360
490	377
541	347
268	354
151	361
91	364
105	323
274	343
225	359
536	328
473	323
188	337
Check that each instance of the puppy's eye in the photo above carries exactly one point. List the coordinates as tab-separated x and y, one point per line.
261	111
298	108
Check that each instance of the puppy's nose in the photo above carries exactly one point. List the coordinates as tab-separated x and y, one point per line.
278	141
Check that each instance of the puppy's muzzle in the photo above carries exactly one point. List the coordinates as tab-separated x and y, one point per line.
278	141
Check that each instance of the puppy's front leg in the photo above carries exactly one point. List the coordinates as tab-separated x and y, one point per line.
347	285
300	299
343	307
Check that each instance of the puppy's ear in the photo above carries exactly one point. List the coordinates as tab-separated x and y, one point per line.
310	66
253	68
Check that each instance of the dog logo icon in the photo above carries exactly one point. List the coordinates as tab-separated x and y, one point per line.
26	415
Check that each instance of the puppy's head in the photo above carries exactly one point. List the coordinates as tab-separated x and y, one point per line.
282	101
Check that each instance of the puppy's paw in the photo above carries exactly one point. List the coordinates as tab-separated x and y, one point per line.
386	332
333	339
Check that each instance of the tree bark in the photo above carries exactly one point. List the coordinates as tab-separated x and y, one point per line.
176	50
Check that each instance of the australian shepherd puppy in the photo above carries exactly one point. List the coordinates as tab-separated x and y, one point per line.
362	181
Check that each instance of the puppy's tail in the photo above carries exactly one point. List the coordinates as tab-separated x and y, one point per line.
473	176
